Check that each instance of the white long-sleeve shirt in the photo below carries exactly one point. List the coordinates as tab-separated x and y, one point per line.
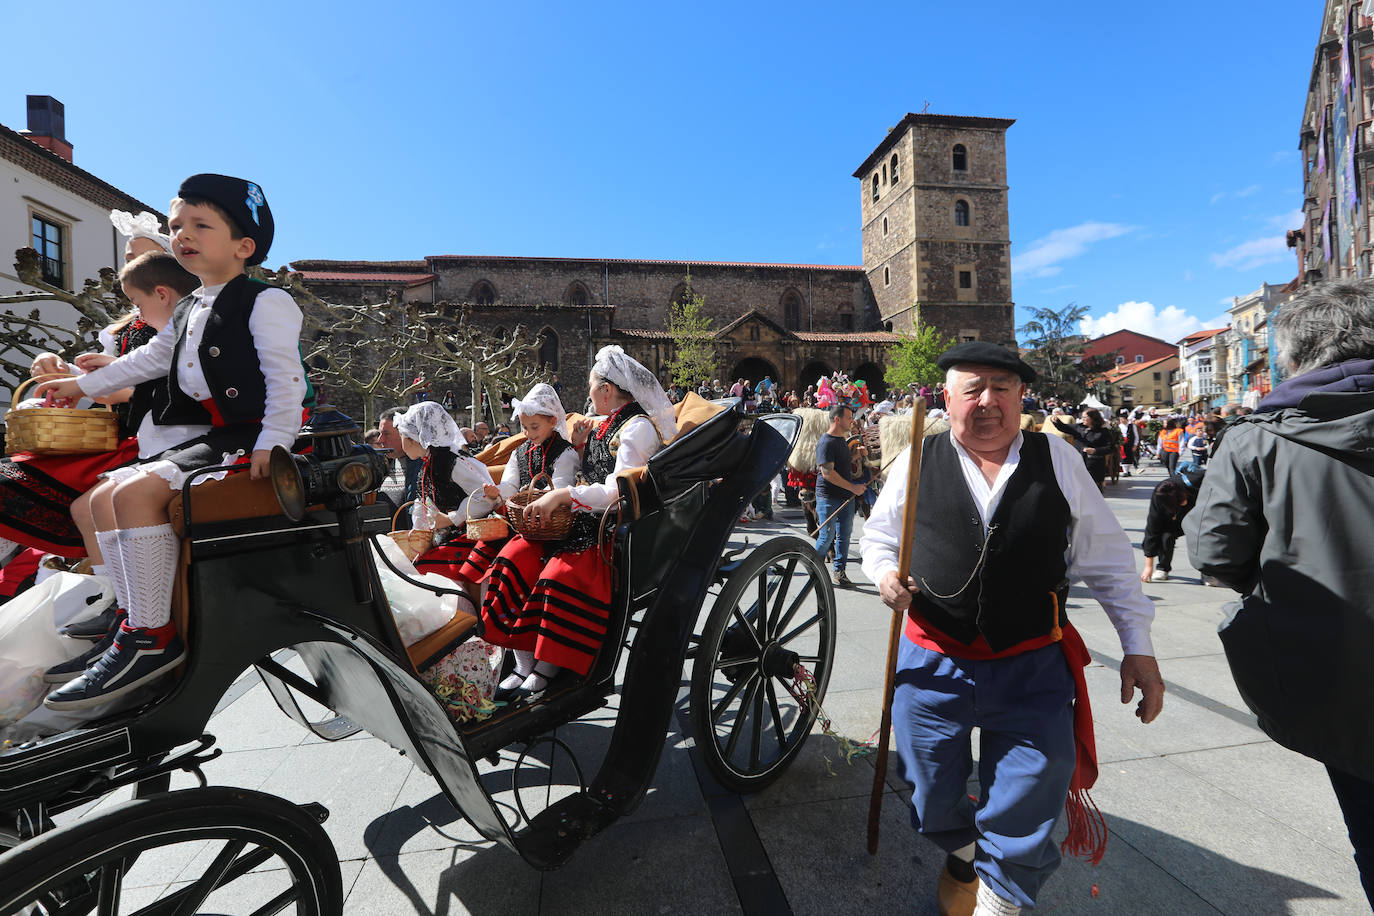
275	324
639	441
563	474
470	474
1099	552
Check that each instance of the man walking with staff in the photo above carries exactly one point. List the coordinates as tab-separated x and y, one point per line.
1005	520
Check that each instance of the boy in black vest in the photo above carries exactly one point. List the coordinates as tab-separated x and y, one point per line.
234	388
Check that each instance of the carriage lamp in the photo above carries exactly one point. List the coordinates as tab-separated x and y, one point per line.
336	468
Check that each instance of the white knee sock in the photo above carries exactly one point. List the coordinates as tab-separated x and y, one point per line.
524	664
989	904
149	555
109	550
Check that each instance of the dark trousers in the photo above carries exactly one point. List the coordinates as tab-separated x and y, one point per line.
1167	540
1356	797
1170	462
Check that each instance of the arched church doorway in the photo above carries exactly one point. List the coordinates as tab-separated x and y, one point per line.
872	374
752	368
811	373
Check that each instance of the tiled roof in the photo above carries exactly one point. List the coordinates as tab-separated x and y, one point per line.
1202	335
325	276
366	266
648	333
1122	371
46	164
480	257
848	336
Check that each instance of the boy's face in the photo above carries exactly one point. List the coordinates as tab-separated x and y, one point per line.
154	302
203	243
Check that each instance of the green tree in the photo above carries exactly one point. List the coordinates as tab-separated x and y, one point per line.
694	347
1054	349
912	361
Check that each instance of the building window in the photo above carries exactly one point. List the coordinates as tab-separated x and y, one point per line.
887	277
884	173
875	185
959	158
884	227
47	241
846	322
483	293
966	279
968	334
548	349
1120	360
894	168
577	295
753	332
961	213
1140	357
1157	394
791	310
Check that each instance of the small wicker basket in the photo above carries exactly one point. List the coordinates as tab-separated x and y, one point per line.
553	528
490	528
412	541
59	430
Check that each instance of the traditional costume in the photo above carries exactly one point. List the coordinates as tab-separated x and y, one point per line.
449	479
986	642
553	598
554	460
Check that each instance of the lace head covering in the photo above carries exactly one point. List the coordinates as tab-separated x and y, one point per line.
430	425
624	371
542	401
143	226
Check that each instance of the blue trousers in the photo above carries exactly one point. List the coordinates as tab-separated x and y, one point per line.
838	530
1023	706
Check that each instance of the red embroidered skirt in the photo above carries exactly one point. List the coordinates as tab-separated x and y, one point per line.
36	494
559	609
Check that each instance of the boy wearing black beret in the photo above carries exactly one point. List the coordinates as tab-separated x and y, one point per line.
235	387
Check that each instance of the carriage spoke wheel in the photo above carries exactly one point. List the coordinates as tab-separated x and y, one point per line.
208	850
775	612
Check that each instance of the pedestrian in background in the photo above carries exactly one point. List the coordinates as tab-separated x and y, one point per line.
836	490
1284	519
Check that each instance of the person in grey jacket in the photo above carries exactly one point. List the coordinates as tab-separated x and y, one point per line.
1284	518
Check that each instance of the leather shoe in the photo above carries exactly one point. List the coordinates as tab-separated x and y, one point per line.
955	897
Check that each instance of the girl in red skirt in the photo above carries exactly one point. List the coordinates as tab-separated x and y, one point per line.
552	599
547	453
449	479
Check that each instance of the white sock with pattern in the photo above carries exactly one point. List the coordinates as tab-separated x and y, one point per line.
150	557
109	551
524	664
990	904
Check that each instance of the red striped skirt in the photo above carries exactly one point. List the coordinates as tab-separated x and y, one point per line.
559	609
480	559
36	494
446	559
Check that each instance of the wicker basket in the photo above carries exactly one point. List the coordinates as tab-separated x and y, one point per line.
59	430
553	528
412	541
490	528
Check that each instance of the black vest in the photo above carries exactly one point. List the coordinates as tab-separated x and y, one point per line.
543	458
228	358
998	585
598	463
131	413
447	494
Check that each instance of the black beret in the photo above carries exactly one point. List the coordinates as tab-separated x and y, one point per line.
242	200
982	353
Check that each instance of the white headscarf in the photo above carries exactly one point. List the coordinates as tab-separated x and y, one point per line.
430	425
542	401
618	367
143	226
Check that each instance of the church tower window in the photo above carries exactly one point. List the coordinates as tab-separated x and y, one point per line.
961	213
959	158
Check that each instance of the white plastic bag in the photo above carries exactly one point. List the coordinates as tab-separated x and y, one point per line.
29	644
418	612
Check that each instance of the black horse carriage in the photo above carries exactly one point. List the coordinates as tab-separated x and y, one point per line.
302	577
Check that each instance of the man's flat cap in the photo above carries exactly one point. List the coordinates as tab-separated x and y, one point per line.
982	353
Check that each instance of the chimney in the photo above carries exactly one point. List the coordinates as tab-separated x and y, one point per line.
48	125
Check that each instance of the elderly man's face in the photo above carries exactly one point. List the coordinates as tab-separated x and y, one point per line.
482	430
984	406
390	439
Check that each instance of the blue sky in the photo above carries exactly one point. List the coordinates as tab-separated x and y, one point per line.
1153	166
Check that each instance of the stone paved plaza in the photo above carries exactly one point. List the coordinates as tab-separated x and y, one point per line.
1206	815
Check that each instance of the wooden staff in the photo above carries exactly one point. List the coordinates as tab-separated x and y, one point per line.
913	485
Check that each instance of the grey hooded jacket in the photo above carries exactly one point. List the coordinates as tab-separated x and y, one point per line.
1286	518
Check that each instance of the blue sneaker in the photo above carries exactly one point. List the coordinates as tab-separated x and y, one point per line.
73	668
137	656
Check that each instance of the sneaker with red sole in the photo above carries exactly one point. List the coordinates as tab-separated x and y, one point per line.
138	655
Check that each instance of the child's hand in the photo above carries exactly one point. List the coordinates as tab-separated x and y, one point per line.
261	465
89	362
47	364
491	491
581	430
59	389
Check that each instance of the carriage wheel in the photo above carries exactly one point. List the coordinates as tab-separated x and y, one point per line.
776	610
241	852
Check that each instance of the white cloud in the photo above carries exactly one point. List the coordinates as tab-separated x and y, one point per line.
1252	254
1041	258
1170	323
1293	219
1243	192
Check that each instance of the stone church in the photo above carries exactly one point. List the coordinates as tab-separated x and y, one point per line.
936	251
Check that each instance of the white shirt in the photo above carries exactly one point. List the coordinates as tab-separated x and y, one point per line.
470	474
563	474
275	324
638	442
1099	553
